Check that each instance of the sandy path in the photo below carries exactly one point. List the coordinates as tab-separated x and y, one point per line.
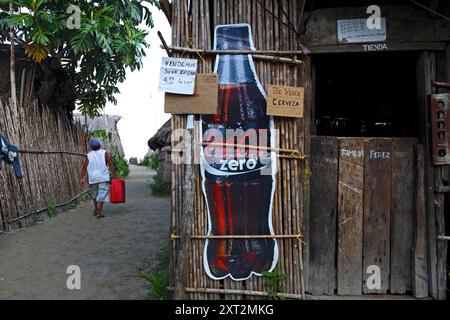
33	261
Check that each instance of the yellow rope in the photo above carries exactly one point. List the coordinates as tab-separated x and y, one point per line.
174	236
300	238
196	51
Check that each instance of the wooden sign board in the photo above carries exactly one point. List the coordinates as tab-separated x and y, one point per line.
286	101
204	100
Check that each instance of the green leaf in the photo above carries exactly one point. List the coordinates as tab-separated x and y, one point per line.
102	41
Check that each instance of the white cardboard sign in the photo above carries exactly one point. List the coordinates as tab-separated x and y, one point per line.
178	76
357	31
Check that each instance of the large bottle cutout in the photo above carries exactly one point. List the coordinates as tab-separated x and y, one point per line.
238	186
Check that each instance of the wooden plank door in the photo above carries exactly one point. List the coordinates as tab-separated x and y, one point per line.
377	214
363	195
322	241
350	216
402	214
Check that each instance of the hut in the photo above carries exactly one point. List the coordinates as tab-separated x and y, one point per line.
364	211
105	129
160	143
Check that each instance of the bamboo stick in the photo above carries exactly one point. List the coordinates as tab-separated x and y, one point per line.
193	41
52	152
293	152
441	84
243	237
257	55
239	292
56	206
164	44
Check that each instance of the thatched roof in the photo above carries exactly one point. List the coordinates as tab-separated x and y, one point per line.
162	138
52	86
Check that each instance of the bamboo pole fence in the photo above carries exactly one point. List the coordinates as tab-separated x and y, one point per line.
51	152
193	24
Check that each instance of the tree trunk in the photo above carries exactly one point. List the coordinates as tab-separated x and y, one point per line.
13	63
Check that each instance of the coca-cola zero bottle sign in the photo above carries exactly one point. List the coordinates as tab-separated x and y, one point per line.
238	167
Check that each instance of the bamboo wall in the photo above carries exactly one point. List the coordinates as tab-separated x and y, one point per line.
193	28
46	177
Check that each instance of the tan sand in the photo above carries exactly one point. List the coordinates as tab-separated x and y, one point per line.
33	261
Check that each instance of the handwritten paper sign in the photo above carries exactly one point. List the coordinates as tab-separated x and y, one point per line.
286	101
204	100
356	31
178	76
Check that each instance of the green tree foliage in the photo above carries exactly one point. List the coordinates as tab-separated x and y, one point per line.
154	163
110	40
123	169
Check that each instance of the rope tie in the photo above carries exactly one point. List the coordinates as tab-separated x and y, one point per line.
191	44
174	236
300	238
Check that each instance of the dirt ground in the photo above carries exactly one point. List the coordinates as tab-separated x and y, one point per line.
33	261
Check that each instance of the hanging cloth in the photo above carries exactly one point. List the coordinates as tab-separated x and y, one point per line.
10	154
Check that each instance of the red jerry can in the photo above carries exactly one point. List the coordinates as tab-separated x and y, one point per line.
117	191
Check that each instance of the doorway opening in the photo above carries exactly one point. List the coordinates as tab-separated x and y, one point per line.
366	95
364	149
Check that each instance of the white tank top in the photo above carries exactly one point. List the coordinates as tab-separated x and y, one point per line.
97	169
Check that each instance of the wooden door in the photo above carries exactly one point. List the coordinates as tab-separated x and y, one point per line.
362	215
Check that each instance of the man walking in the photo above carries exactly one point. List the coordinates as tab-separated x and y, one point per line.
97	166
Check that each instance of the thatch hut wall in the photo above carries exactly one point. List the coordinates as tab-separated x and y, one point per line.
51	152
194	27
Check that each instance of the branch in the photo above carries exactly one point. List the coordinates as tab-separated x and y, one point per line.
289	25
166	7
272	14
300	18
430	10
287	17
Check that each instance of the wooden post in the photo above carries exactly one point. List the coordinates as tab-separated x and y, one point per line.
420	269
186	224
442	174
424	78
305	144
430	179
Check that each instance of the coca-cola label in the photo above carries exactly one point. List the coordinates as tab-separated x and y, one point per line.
239	153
